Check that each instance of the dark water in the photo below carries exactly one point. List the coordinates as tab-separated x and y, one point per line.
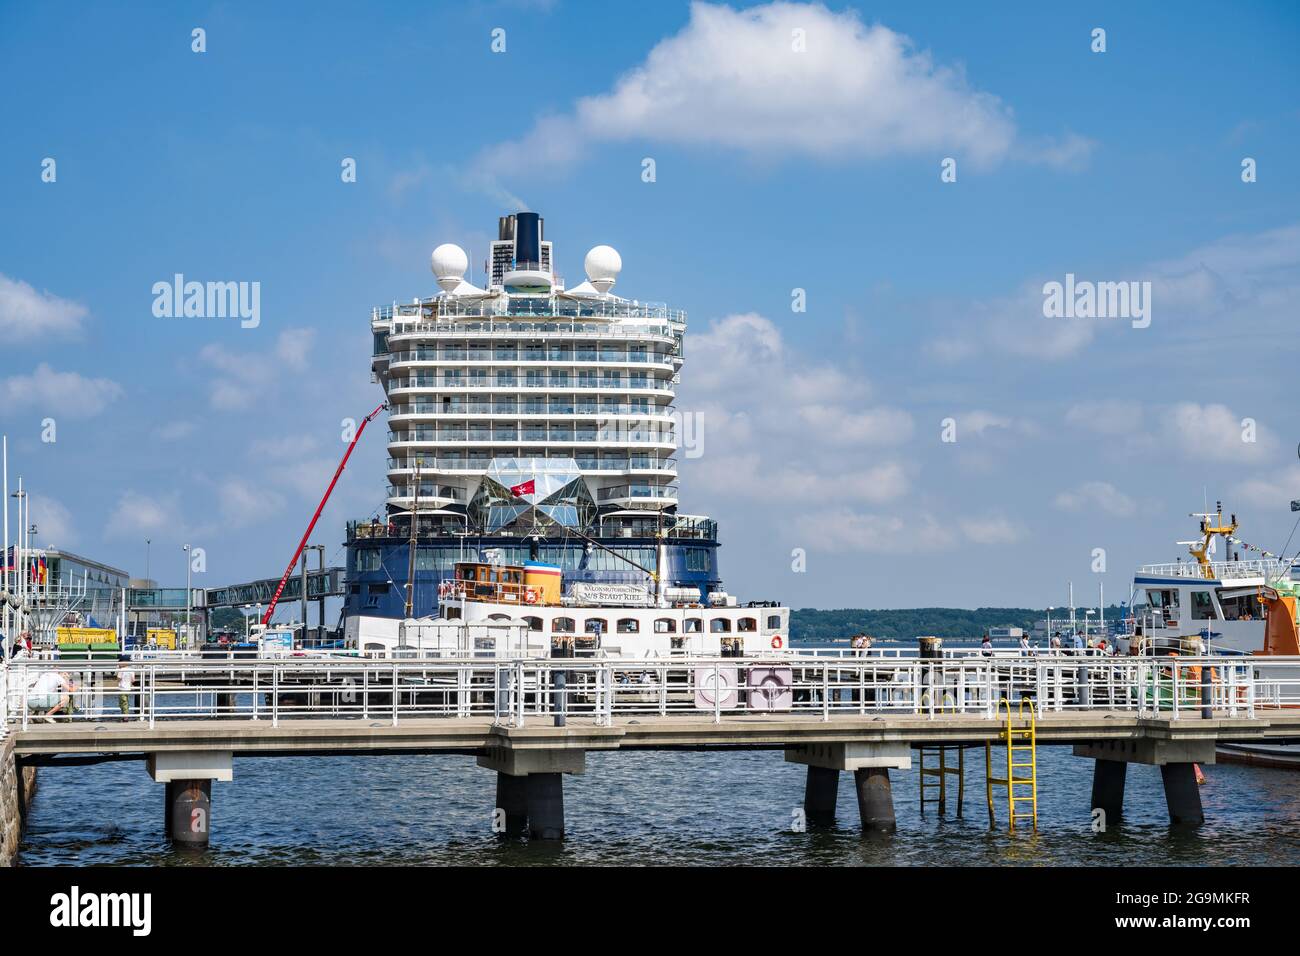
700	809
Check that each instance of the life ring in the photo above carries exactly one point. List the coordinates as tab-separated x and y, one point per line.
776	642
530	595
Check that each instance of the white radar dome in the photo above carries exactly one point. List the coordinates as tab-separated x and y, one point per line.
603	264
449	263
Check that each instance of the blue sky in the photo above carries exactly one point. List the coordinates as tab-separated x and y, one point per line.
775	170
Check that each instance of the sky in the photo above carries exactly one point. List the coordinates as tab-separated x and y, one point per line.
859	207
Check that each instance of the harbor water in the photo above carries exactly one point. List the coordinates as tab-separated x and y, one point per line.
732	808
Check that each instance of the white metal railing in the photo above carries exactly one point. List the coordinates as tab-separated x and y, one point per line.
1220	570
174	686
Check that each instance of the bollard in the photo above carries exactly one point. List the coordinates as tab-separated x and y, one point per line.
558	697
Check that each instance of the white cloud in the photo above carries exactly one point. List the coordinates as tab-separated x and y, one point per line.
1248	280
58	393
53	521
243	504
1107	417
1273	490
842	530
174	431
136	515
245	377
27	315
990	529
1211	432
1101	495
733	79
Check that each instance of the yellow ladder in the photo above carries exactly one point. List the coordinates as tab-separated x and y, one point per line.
936	778
1011	781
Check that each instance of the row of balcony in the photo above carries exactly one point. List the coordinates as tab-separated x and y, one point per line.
585	463
554	383
547	354
556	406
682	527
561	313
630	491
614	434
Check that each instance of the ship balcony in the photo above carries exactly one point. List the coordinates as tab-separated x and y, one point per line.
399	389
636	496
633	466
576	444
431	493
540	411
415	360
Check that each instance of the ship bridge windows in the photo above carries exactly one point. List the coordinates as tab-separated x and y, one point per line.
1203	607
563	625
697	559
720	625
665	625
1240	604
628	625
774	622
367	559
747	625
534	623
595	625
692	625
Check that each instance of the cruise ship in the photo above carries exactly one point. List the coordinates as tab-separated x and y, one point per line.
533	429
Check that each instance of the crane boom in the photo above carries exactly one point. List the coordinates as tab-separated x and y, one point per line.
314	518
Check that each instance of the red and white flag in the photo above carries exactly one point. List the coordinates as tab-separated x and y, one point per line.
524	488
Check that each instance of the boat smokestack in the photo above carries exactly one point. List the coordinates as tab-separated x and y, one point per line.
528	238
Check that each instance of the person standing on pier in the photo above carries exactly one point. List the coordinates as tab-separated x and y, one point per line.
125	683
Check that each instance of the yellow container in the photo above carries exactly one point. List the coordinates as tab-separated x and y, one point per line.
161	637
85	635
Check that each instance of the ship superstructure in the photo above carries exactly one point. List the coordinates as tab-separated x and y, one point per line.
528	422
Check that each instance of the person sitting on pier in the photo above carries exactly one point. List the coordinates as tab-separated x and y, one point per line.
50	693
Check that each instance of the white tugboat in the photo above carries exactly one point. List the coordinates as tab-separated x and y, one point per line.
1234	608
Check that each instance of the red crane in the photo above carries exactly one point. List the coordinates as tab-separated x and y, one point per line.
314	518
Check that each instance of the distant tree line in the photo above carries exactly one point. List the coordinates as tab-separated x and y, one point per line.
810	625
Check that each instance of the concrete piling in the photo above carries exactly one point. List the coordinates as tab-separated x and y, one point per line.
512	805
188	813
1182	794
1108	777
820	794
875	799
545	800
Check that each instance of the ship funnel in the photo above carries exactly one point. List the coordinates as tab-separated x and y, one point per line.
528	238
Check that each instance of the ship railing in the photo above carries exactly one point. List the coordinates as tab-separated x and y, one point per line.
164	687
1219	570
531	306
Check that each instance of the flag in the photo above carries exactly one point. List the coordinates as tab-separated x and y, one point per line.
524	488
44	570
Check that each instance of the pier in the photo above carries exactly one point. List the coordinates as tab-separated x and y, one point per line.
533	721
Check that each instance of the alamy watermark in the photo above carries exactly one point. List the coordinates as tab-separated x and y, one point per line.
1098	300
209	300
